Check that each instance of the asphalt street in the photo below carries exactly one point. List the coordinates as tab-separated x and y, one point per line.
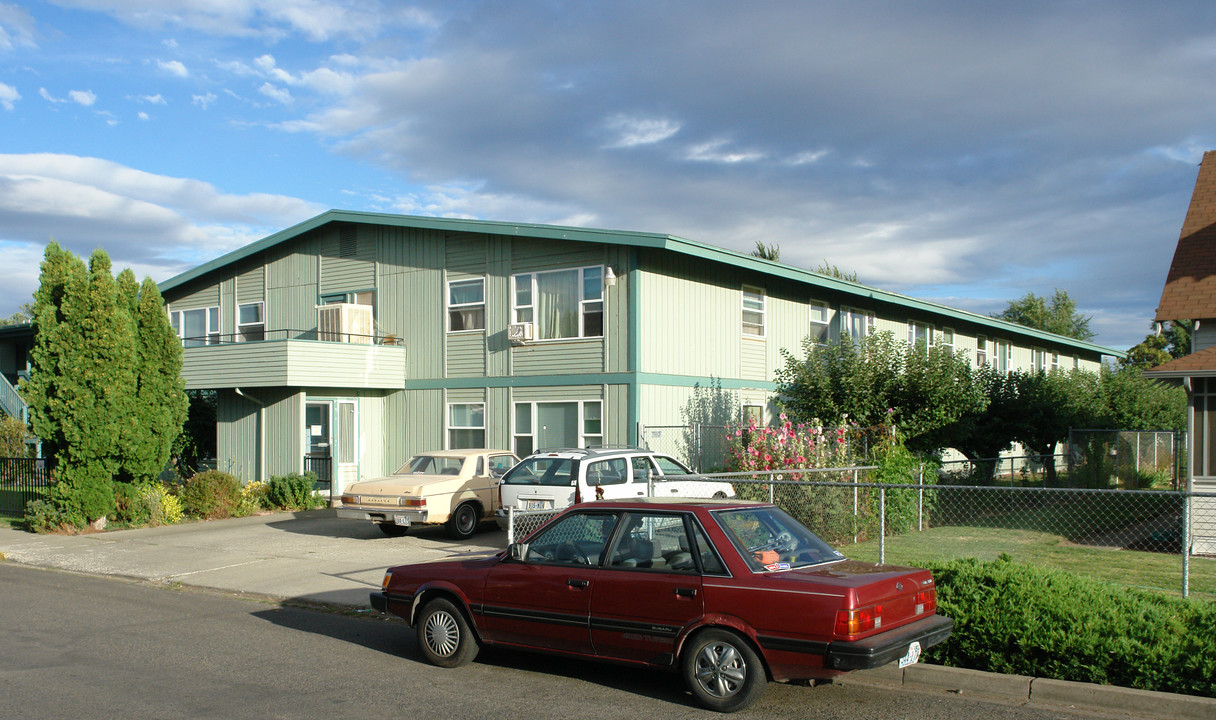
314	559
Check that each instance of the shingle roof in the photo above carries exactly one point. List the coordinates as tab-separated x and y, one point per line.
1195	364
1190	287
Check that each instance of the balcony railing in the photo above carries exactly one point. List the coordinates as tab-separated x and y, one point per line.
279	335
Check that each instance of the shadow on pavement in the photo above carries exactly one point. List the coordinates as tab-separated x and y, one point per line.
323	523
374	631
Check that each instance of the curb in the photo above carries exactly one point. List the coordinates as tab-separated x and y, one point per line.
1039	691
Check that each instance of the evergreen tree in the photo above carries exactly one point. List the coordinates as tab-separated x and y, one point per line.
160	398
1059	315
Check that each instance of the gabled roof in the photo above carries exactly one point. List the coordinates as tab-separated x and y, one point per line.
1190	286
864	296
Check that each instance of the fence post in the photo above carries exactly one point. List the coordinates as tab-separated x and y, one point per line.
920	500
854	507
882	524
1186	544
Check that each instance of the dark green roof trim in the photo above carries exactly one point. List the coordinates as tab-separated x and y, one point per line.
859	293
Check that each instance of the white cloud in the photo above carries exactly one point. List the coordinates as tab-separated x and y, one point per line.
8	96
46	95
143	115
630	131
156	99
204	101
16	27
157	224
278	94
83	97
173	67
715	151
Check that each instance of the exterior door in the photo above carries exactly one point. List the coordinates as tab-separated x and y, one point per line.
557	425
346	444
318	456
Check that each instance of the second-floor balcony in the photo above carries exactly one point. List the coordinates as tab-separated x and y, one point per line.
294	358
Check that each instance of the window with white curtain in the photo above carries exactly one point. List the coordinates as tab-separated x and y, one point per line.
562	303
466	305
856	324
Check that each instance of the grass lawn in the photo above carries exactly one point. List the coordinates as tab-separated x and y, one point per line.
1152	570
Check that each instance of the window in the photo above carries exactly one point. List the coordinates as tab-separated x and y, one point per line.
608	472
576	539
856	324
753	311
466	425
1040	360
920	333
1004	354
362	297
251	322
525	443
197	327
466	305
981	351
563	303
1055	361
821	321
653	541
945	338
753	414
593	423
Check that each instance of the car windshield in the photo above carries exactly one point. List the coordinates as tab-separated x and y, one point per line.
432	465
769	539
541	471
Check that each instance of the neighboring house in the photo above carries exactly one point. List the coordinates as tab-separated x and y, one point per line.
15	344
1190	294
352	340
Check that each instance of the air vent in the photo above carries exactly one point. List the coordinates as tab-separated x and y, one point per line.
348	242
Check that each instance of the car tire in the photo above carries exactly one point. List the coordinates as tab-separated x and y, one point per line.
392	529
463	522
444	635
722	671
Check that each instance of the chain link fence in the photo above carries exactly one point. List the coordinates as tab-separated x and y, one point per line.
1125	459
1156	539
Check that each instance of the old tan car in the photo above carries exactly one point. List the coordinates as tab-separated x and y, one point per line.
455	488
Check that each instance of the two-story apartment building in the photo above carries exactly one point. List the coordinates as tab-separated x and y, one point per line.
356	339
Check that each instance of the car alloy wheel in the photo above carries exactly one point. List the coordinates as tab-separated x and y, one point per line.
723	672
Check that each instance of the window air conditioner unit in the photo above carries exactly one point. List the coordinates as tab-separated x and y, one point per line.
519	333
345	322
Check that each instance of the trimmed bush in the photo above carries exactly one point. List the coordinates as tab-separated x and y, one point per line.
131	504
1026	620
44	517
293	492
211	495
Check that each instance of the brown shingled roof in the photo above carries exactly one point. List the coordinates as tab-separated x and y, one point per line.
1200	363
1190	287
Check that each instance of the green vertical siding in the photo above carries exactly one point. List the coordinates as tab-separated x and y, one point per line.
237	435
498	306
465	255
682	307
753	359
285	432
200	297
345	274
251	285
558	358
534	254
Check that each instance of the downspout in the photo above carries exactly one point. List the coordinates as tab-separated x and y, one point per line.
635	346
258	435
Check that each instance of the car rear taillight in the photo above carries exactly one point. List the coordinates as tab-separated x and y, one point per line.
856	622
414	502
926	601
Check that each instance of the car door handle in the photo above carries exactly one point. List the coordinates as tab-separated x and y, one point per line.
686	592
574	583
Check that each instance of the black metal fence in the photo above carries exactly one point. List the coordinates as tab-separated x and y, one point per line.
21	480
322	466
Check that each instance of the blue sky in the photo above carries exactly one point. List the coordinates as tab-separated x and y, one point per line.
962	152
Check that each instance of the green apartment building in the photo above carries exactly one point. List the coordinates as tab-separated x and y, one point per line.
352	340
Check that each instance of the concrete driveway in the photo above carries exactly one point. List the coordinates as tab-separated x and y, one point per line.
312	556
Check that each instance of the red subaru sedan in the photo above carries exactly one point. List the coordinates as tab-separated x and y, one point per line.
731	594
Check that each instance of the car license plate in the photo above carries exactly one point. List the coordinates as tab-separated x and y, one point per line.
537	505
402	520
912	656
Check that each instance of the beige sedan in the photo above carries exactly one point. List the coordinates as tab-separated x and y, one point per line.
455	488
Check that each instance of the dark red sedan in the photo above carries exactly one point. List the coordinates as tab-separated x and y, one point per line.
730	593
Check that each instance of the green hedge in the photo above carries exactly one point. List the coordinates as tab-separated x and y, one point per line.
293	492
1026	620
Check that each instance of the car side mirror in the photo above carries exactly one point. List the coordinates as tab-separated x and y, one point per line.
518	551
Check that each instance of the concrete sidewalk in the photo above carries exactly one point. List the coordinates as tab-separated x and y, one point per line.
315	557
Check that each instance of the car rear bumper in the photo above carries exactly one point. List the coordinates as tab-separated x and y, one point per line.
889	646
382	515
